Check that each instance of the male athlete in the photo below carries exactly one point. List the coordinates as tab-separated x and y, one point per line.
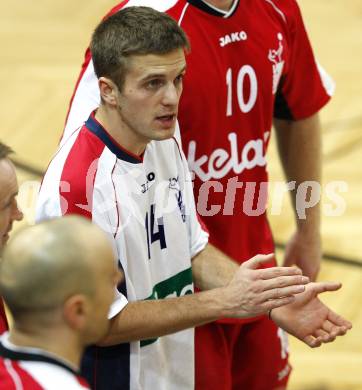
58	279
9	211
251	64
125	171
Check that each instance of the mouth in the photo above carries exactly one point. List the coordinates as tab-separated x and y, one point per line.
5	237
166	121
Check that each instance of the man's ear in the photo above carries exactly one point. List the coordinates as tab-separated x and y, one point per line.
76	311
108	91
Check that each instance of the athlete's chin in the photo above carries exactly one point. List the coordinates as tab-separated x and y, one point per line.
4	240
164	127
164	134
164	137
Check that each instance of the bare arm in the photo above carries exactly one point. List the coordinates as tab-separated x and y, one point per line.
246	293
299	144
155	318
211	268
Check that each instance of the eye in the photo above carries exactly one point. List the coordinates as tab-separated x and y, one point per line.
154	84
8	204
179	79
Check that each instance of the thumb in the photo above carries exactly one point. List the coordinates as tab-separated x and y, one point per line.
321	287
258	260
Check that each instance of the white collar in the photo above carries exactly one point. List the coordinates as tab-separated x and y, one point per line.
225	13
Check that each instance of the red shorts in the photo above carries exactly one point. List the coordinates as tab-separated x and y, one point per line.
251	356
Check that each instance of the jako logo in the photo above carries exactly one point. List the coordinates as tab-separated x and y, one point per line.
233	37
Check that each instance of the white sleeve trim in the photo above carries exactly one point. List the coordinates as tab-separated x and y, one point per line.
117	306
327	81
158	5
200	244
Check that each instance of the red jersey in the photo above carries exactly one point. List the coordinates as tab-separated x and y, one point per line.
33	369
245	67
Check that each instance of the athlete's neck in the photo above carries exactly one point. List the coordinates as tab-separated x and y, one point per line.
119	131
224	5
58	342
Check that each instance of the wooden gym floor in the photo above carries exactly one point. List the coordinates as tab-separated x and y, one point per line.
42	44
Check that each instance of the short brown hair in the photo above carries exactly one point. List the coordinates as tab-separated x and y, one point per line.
133	31
5	151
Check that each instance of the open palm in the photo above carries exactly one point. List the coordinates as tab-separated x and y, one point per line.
309	319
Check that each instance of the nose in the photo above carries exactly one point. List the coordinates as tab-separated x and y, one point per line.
17	214
171	96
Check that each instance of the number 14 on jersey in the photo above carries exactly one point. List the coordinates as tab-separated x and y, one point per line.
154	235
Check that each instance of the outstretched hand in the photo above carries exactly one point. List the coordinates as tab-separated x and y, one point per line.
254	291
309	319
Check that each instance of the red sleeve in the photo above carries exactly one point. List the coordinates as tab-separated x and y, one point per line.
79	172
302	92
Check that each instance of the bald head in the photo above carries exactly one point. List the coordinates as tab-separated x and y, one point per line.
45	264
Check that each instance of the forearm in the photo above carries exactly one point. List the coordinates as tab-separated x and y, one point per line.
155	318
211	268
299	144
246	292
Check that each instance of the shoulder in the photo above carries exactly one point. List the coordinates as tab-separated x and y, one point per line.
81	155
288	13
288	9
46	374
69	181
288	6
13	375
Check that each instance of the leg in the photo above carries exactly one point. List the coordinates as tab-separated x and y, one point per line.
260	357
212	358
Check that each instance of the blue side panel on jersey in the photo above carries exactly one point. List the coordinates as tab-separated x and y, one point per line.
122	287
107	368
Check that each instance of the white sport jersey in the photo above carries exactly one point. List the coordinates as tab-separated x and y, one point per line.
34	369
147	208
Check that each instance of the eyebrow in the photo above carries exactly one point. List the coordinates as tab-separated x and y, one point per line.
160	75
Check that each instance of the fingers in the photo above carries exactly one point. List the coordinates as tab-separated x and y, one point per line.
324	336
312	342
333	329
278	293
258	260
328	331
274	272
338	320
274	303
284	281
